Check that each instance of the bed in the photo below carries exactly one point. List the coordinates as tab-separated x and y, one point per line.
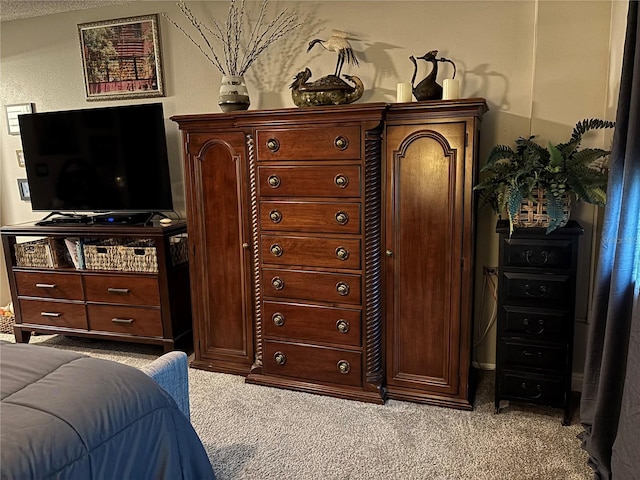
69	416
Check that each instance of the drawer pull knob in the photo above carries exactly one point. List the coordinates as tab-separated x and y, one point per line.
273	145
342	218
529	254
277	319
127	321
274	181
537	394
245	245
341	180
389	253
341	143
342	253
342	288
344	367
118	290
280	358
276	250
277	283
275	216
531	291
526	323
50	314
527	353
45	285
342	326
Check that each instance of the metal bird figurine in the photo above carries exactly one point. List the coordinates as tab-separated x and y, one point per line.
338	42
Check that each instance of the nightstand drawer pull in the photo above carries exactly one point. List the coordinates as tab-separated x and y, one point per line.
273	145
50	314
341	143
280	358
538	393
342	218
342	326
527	353
118	290
526	322
544	254
45	285
342	253
341	181
530	291
344	367
277	319
277	283
274	181
276	250
275	216
342	288
128	321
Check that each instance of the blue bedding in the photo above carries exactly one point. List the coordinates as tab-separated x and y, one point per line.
68	416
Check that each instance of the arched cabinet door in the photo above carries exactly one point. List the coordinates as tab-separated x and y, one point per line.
215	173
428	241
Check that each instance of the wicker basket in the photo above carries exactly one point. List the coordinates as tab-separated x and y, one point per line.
42	253
179	250
534	213
121	255
6	323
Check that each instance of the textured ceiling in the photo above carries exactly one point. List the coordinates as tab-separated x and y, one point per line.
16	9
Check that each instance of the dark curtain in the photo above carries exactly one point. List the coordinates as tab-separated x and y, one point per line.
610	404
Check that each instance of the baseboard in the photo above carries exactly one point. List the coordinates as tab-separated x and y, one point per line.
576	377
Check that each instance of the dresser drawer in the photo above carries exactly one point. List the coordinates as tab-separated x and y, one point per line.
309	181
313	363
315	143
311	251
522	354
54	313
312	323
314	286
122	289
121	319
310	217
49	285
537	290
534	323
547	254
536	388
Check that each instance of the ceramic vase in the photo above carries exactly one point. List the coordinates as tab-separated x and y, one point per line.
233	94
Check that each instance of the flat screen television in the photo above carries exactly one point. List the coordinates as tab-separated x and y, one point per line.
110	159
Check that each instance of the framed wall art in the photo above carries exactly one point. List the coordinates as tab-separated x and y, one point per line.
20	156
23	187
12	116
121	58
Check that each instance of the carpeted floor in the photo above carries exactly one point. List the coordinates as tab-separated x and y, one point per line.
254	432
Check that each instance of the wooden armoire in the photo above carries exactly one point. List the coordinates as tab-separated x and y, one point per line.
332	247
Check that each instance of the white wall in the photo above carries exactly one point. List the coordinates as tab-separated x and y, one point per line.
541	65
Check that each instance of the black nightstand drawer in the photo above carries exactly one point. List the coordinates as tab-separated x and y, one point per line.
532	388
524	354
537	290
534	323
546	254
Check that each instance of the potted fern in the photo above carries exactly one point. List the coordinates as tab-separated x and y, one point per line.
534	184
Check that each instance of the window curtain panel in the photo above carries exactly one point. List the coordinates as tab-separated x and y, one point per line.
610	404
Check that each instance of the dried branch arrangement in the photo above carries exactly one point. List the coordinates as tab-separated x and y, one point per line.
238	53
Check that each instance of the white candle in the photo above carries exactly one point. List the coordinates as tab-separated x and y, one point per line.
450	89
403	92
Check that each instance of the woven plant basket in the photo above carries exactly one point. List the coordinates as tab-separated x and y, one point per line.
6	323
534	213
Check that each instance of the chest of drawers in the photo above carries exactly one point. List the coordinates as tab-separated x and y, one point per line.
536	303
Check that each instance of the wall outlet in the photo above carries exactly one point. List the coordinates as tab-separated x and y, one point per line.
489	270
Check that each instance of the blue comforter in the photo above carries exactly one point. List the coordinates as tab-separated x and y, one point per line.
68	416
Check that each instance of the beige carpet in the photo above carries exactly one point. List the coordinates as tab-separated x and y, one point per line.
262	433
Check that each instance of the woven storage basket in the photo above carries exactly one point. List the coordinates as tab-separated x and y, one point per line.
534	213
179	250
42	253
6	324
122	255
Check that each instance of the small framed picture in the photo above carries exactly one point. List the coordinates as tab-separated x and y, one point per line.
12	116
20	155
23	187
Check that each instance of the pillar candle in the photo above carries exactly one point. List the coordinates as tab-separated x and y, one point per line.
450	89
403	92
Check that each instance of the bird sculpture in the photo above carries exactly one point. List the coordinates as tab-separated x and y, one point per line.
338	42
329	90
428	88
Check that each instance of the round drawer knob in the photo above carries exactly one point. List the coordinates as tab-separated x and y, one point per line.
277	283
273	145
342	326
341	143
525	322
276	250
389	253
342	218
341	180
280	358
274	181
275	216
344	367
342	253
342	288
277	319
245	245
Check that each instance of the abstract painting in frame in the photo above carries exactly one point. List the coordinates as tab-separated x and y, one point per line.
121	58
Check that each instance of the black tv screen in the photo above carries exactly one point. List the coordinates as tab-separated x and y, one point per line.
98	159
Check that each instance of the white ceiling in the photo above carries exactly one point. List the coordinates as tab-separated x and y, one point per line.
17	9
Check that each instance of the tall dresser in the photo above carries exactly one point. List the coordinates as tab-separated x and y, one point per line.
287	222
536	305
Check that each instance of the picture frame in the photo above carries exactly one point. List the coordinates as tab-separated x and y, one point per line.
23	187
121	58
12	116
20	157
